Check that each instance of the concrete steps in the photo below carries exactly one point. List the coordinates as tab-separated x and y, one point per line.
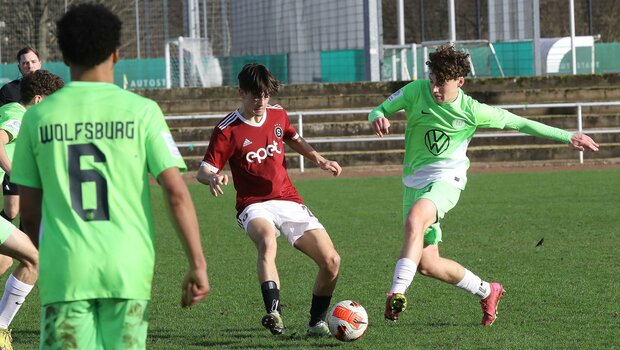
313	128
483	147
477	154
192	134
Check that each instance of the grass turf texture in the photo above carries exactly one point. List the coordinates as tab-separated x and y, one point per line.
562	294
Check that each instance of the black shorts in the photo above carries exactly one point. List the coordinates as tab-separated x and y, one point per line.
9	188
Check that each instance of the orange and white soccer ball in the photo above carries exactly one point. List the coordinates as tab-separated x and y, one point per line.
347	320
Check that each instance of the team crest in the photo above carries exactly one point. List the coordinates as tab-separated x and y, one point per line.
436	141
458	124
278	131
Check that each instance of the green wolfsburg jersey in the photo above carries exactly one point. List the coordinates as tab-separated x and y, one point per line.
438	134
89	147
10	120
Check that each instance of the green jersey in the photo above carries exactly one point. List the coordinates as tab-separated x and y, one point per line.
90	147
437	134
10	121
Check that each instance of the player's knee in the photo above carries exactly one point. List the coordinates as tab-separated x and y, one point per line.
267	246
31	262
419	218
332	264
428	268
425	271
415	228
11	212
5	263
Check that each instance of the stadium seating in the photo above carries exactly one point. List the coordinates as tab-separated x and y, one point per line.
487	151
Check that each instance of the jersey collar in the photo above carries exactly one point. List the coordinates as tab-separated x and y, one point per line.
251	123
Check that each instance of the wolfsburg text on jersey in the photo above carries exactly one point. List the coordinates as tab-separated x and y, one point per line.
110	130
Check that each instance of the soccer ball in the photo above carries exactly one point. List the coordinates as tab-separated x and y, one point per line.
347	320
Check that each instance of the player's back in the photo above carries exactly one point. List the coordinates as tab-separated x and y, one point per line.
93	149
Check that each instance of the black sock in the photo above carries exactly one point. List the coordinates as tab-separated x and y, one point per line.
318	310
271	296
3	214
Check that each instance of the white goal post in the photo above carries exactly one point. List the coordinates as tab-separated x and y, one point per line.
190	63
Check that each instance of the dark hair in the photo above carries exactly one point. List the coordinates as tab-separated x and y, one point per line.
448	64
88	34
40	82
25	50
257	79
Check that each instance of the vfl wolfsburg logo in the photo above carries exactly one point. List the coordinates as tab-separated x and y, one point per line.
436	141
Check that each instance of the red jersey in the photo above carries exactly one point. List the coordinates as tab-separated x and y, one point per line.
255	153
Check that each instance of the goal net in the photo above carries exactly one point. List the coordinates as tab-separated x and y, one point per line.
190	63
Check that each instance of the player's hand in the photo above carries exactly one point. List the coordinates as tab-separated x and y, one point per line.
195	287
332	166
216	182
581	141
381	126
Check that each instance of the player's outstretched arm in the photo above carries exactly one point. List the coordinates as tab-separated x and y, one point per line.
302	147
30	200
211	179
196	282
581	142
576	140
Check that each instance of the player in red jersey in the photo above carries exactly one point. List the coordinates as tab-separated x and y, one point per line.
251	139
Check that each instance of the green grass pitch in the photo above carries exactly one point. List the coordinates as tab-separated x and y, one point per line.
560	295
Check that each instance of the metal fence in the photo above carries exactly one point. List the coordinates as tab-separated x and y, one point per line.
579	127
301	41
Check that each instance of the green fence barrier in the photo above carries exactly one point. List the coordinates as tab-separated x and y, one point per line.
277	64
348	65
607	55
149	73
515	58
343	66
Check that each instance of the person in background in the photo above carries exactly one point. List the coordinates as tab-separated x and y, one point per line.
28	61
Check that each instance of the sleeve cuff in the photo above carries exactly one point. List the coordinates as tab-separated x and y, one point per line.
209	167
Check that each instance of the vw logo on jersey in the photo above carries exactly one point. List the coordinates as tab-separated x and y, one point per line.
278	131
262	153
436	141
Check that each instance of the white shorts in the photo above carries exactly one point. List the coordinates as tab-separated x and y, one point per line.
289	218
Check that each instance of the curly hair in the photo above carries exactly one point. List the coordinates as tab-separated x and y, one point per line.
258	80
88	34
446	63
40	82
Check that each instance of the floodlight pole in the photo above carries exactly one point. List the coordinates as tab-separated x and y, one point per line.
452	21
371	40
572	37
2	25
137	29
401	38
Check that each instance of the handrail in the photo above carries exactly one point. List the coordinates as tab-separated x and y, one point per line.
301	114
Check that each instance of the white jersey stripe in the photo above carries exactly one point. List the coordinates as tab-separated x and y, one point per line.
229	119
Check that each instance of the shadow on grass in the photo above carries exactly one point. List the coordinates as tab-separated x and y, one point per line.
240	338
